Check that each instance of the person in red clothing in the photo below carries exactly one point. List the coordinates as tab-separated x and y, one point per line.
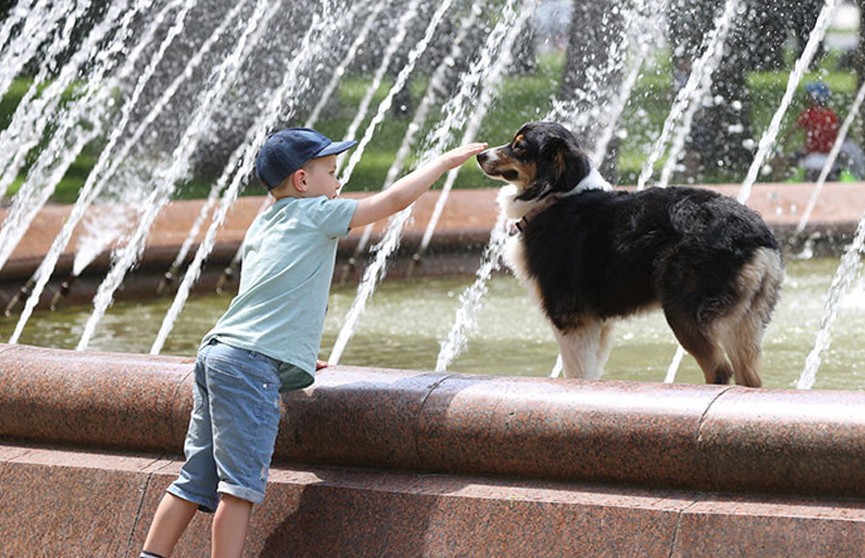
818	120
820	125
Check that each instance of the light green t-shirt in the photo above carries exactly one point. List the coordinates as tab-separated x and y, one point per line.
288	259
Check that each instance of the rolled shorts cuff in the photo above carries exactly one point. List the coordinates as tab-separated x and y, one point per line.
247	494
207	505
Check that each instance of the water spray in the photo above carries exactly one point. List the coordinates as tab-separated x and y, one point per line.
841	282
394	44
233	160
223	76
435	89
704	66
767	141
91	187
30	122
454	111
20	136
470	299
487	96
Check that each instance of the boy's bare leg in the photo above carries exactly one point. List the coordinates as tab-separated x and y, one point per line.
170	521
229	527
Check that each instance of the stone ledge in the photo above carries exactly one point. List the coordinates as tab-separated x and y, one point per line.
691	437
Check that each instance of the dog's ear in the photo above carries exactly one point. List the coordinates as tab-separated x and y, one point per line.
561	166
549	163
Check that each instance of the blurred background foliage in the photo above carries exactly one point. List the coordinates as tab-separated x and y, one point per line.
568	39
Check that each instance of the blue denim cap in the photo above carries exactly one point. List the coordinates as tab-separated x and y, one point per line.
286	151
819	91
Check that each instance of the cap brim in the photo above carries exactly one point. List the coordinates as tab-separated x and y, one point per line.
336	148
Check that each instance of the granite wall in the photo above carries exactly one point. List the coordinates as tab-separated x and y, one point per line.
373	463
406	463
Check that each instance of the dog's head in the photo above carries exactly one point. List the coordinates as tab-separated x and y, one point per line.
543	158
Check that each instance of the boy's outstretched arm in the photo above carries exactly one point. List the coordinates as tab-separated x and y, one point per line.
409	188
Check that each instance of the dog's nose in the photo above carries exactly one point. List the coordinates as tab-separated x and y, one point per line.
483	156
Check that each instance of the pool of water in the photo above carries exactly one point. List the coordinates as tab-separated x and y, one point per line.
406	320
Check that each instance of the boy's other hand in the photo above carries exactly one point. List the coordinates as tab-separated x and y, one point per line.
319	364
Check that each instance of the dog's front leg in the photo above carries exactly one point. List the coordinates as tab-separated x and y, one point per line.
585	348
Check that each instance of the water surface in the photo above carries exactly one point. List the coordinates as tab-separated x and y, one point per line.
406	320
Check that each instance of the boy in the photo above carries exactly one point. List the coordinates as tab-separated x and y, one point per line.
268	340
818	120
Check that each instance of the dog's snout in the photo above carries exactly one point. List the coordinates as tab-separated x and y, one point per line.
483	156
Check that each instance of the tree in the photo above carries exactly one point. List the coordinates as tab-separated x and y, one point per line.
722	127
591	72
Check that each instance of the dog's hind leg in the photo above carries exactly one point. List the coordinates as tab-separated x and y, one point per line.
741	332
707	352
742	343
584	349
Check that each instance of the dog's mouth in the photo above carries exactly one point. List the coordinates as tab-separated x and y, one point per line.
510	175
495	166
536	191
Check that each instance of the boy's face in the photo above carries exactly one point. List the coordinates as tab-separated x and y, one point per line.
321	177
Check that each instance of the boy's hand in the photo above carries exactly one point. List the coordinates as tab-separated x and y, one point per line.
456	157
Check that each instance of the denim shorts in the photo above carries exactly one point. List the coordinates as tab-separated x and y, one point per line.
232	432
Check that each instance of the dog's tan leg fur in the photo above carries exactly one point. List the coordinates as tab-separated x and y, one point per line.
741	330
708	354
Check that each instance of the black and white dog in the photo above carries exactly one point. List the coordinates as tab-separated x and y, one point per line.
590	255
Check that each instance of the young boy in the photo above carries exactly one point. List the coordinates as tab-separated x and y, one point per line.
818	120
267	341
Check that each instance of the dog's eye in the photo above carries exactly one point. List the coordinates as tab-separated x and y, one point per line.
521	151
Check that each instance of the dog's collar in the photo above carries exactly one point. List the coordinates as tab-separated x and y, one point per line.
522	223
592	181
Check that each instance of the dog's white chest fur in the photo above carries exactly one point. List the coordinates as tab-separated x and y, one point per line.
584	351
514	254
515	258
514	251
510	206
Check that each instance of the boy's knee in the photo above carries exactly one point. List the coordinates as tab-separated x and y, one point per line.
231	500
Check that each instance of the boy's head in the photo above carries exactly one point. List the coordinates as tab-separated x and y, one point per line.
817	92
287	151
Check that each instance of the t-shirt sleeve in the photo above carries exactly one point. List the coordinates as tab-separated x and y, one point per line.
335	216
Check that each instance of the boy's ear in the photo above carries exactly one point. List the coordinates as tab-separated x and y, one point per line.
298	180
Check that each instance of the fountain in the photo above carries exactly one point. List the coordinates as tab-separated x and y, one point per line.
401	460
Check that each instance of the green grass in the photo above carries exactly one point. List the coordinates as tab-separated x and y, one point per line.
520	99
